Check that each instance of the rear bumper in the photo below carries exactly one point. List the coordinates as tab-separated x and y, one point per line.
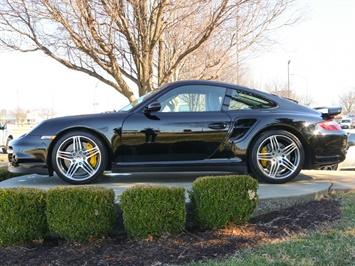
328	160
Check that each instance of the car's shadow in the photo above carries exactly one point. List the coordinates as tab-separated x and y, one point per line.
170	177
165	177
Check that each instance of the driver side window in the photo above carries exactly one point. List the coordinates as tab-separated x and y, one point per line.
193	99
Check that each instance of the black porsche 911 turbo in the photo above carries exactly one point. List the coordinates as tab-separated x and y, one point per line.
186	126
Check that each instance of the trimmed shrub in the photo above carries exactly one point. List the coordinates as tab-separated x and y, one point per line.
81	213
22	215
219	200
153	210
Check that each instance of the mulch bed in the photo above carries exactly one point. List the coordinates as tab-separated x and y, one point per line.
190	246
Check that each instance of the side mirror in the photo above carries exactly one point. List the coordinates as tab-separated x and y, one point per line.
153	107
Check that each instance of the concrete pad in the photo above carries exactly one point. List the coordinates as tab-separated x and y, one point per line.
342	181
120	182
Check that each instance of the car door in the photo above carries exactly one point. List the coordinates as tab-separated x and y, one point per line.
190	125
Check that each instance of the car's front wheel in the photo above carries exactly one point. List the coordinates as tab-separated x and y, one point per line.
79	157
276	156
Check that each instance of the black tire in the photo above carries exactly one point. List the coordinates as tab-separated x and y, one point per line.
276	156
79	157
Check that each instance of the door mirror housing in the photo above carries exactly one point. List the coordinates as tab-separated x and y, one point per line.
153	107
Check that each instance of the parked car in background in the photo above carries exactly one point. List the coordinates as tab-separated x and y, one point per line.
186	126
5	137
345	123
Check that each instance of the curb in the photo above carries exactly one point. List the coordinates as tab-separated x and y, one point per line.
270	204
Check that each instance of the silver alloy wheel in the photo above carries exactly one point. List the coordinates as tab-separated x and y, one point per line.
278	156
78	158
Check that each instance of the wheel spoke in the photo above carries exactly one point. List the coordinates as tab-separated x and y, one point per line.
65	155
91	152
274	168
77	146
265	156
289	149
275	146
88	168
288	164
72	169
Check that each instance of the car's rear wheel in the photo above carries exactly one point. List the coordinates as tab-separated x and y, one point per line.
276	156
79	157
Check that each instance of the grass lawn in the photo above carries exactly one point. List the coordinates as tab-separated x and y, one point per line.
3	158
330	245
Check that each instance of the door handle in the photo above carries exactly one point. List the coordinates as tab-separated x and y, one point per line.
218	125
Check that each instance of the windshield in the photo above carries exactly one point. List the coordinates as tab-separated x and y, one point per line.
138	101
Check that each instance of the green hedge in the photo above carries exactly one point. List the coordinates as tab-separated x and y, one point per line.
219	200
85	212
22	215
81	213
153	210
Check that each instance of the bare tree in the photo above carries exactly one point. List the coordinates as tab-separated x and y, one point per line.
347	101
20	115
250	29
282	90
146	41
46	113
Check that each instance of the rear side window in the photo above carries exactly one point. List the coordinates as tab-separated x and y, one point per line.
241	100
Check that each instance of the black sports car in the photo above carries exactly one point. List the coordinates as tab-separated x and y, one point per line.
186	126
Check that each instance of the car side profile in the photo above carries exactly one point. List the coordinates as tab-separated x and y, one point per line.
186	126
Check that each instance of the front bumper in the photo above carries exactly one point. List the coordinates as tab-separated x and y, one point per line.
28	168
28	155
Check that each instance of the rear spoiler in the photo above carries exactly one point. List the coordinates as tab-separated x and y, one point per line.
329	112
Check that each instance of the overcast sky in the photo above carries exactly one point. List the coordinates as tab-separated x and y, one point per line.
321	50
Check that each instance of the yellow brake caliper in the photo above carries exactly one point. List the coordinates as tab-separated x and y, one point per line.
93	159
263	162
